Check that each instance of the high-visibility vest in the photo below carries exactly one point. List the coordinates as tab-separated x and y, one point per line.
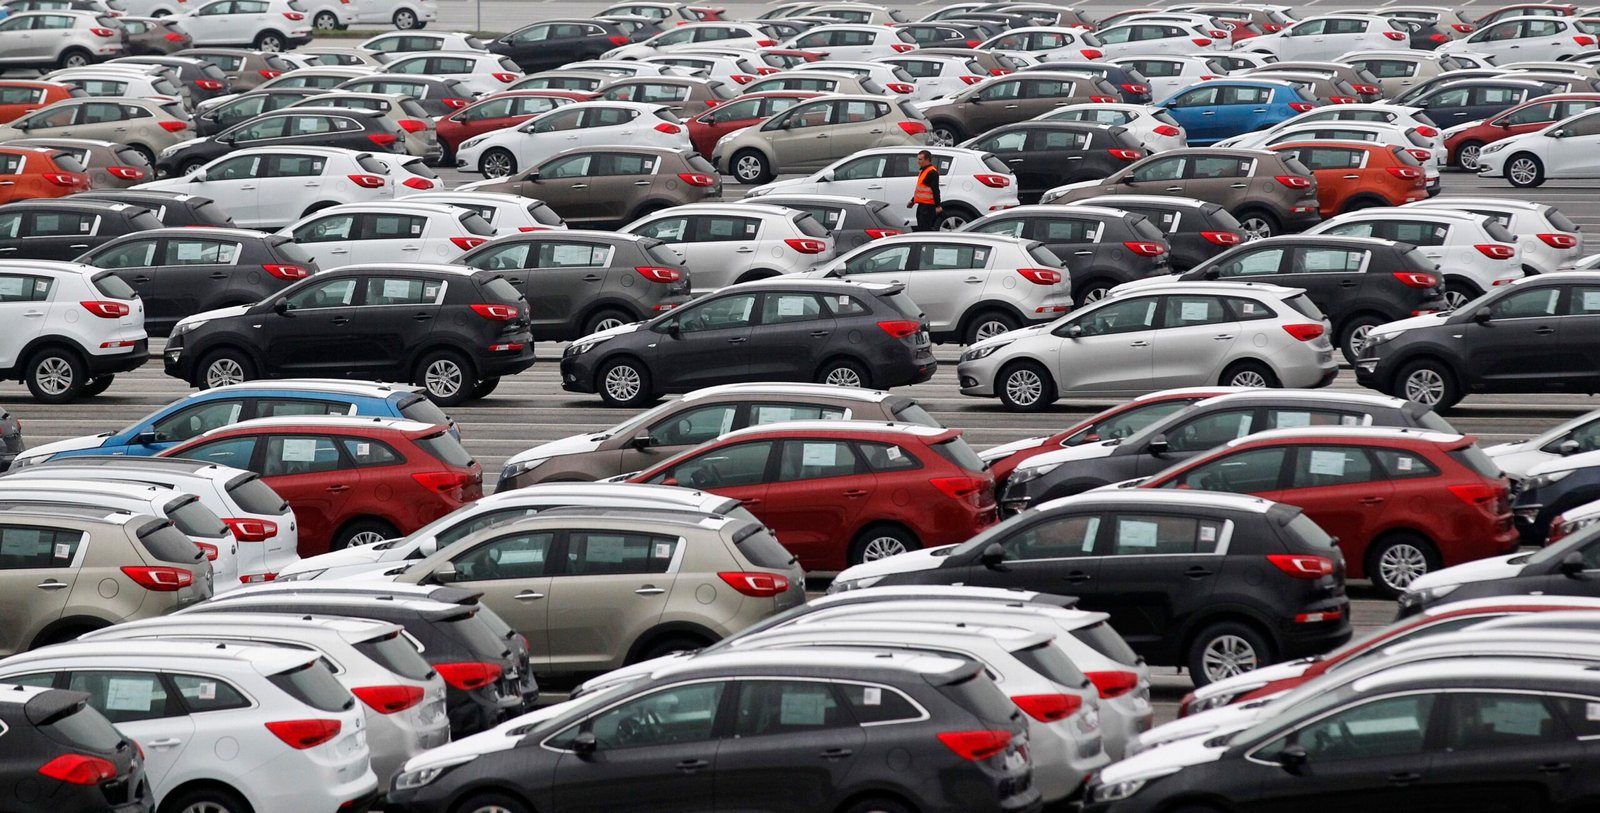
924	193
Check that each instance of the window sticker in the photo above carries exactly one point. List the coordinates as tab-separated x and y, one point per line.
1329	463
1136	534
123	694
663	550
803	709
1288	420
873	696
11	287
819	454
396	289
299	450
1195	312
608	549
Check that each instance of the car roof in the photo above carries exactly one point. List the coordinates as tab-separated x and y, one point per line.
681	516
330	386
205	231
845	661
903	633
1502	672
848	427
1493	203
245	597
1209	286
114	516
1167	497
349	627
668	496
1312	434
402	206
323	423
58	266
729	208
1106	201
327	152
758	389
180	465
434	268
1327	239
75	489
809	197
1317	396
1388	213
259	658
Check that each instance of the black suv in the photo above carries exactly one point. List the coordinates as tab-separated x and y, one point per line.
553	43
854	222
778	329
1358	282
182	272
581	282
1101	248
366	130
247	106
453	331
1046	154
1538	334
63	228
1219	584
171	208
58	755
1195	230
1134	85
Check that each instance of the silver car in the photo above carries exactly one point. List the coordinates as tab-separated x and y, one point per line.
725	243
146	125
422	136
817	132
59	39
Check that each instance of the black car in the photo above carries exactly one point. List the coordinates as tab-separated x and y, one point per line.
11	443
777	329
366	130
202	79
438	96
1195	230
1422	35
892	729
1135	87
63	228
171	208
1358	282
1214	583
184	271
1047	154
1100	247
1452	103
581	282
636	27
247	106
1538	334
553	43
1568	567
58	755
453	331
1197	429
1553	489
947	33
854	222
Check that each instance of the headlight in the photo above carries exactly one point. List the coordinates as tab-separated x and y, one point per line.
471	142
1051	196
1495	147
1116	791
24	462
411	780
1216	701
983	352
853	584
302	576
1419	597
579	348
1023	475
1544	480
186	327
172	150
514	469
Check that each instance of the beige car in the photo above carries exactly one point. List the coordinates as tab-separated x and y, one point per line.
605	187
422	135
110	165
593	589
146	125
66	570
1398	71
1009	99
817	132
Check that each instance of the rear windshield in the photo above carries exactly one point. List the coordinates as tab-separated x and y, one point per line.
294	253
1309	532
446	449
191	517
1560	221
111	286
422	410
1295	166
959	453
372	165
762	548
501	290
314	686
1045	257
809	226
1147	230
418	168
85	728
1051	662
475	224
996	165
396	654
699	164
980	696
255	497
70	162
1499	232
829	217
478	637
662	255
543	214
1473	458
1106	641
210	212
914	413
168	544
1305	306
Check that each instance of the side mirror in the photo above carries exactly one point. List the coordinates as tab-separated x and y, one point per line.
1157	446
993	556
148	437
1293	758
533	177
826	177
673	330
584	745
198	176
446	573
1572	565
1482	316
1211	273
1568	447
280	306
641	441
670	481
1074	331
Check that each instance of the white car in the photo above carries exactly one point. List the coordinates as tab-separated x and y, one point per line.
671	14
405	15
480	73
627	69
1044	42
408	174
1431	157
730	243
1517	458
1550	241
69	328
259	726
731	71
685	37
506	214
1526	38
127	81
852	42
1155	128
1401	116
269	187
388	46
1326	37
388	233
586	124
1167	74
971	183
1566	149
937	76
265	25
1474	254
889	77
1136	38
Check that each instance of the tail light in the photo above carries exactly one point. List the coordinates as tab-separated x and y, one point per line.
1271	28
656	273
756	585
994	181
1217	35
418	183
1419	153
1222	238
1167	130
1413	279
174	126
669	129
532	228
389	699
1294	181
901	87
806	245
766	43
463	243
1041	276
1302	566
211	551
1368	90
77	769
412	125
900	328
1049	708
159	579
507	78
1126	155
1438	38
710	103
976	746
1203	42
267	73
454	103
879	234
126	173
382	139
697	179
63	179
1480	495
1496	251
206	84
1091	53
1113	684
102	32
303	734
441	482
1306	332
742	78
496	313
1559	240
618	39
468	676
1409	173
998	71
1584	39
1343	99
293	16
1426	131
766	70
1138	90
901	47
1146	249
106	309
1394	35
1463	28
1103	99
1301	107
972	80
913	127
368	181
959	488
251	530
174	37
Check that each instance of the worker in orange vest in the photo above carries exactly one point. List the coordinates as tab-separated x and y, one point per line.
926	198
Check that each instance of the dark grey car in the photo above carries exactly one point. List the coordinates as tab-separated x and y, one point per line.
244	68
171	208
11	443
1046	154
247	106
1195	230
201	78
1101	248
438	96
853	221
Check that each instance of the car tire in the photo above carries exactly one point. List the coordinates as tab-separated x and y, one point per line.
624	382
97	385
844	373
954	217
1248	374
881	542
1457	293
484	388
500	162
666	646
270	42
1466	156
1025	386
605	319
446	377
325	21
74	58
205	800
878	805
990	324
1428	382
1397	560
751	167
944	134
363	532
1257	224
55	375
1226	649
405	19
64	635
144	152
1524	170
1093	291
189	168
223	367
1353	335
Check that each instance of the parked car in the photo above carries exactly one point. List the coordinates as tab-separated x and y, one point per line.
491	113
505	152
63	356
262	25
1099	247
1010	99
609	186
73	743
1473	253
19	97
1563	440
734	243
400	232
479	73
1549	240
552	43
1212	110
66	39
60	229
200	74
1194	230
1359	175
171	208
154	36
852	221
271	187
506	214
108	165
438	96
817	132
150	126
971	183
1465	140
292	127
35	173
1046	154
1328	36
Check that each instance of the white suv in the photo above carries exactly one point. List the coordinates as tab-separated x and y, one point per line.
507	214
1474	253
270	187
971	183
68	329
1549	239
264	25
224	728
388	233
727	243
586	124
478	72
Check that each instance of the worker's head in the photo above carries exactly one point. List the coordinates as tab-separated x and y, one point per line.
924	159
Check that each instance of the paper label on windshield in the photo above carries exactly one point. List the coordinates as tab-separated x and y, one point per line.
570	255
190	251
604	549
1136	534
792	305
1195	312
208	691
803	709
1329	463
11	287
1404	463
396	289
1293	419
1208	533
299	450
819	454
663	550
63	551
1591	711
363	449
1591	300
871	696
893	452
123	694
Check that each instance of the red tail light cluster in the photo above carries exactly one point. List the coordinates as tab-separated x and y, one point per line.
1302	566
879	234
159	579
1438	38
668	128
1480	495
1301	107
303	734
209	550
206	84
1408	173
102	32
1113	684
1103	99
251	530
367	181
913	127
976	746
1419	153
1463	28
697	179
293	16
126	173
1146	249
1309	331
806	245
1426	131
77	769
901	47
1203	42
412	125
383	139
507	78
269	74
994	181
1222	238
901	87
1136	90
756	585
1041	276
1413	279
174	36
656	273
972	80
468	676
1343	99
1394	35
107	309
1092	53
463	243
389	699
442	482
174	126
1049	708
64	179
1559	240
1166	130
900	328
1496	251
1585	40
1294	181
455	104
1368	90
960	488
496	313
618	39
743	78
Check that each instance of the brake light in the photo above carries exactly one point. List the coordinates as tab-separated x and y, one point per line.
913	127
618	39
382	139
1438	38
712	102
1368	90
1409	173
1413	279
669	129
1480	495
367	181
766	43
1294	181
1301	107
1167	130
126	173
209	550
1305	332
1049	708
441	482
1222	238
1126	155
1419	154
1137	90
1271	28
496	313
77	769
806	245
656	273
159	579
107	309
1496	251
1041	276
389	699
1343	99
303	734
957	488
974	43
998	71
1584	39
1103	99
1394	35
972	80
412	125
1464	28
174	126
251	530
879	234
463	243
1113	684
900	328
1426	132
417	183
975	746
206	84
293	16
1146	249
994	181
697	179
468	676
743	78
901	47
1203	42
1299	566
454	103
1091	53
173	36
756	585
766	70
1559	240
1217	35
102	32
507	78
269	74
901	87
63	179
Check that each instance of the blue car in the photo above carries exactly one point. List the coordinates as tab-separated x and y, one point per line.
1222	108
222	406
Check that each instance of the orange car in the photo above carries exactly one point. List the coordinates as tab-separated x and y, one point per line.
1359	174
27	173
18	96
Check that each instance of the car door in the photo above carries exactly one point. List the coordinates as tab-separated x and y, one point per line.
1332	277
514	572
792	733
1061	553
1198	435
316	479
1157	568
563	183
58	235
309	336
792	338
799	138
392	322
17	42
235	184
1344	490
1581	323
292	177
949	277
996	103
1159	176
191	272
388	237
1522	345
1108	349
209	23
814	501
891	264
1221	179
617	181
559	277
729	243
144	707
332	240
1570	150
1253	471
39	567
132	262
610	589
1197	111
1508	751
711	344
1193	340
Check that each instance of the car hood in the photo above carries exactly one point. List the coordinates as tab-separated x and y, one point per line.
46	450
1205	724
1011	336
1581	460
909	562
1518	459
206	316
575	444
1483	570
1253	679
1163	761
499	738
1005	450
1083	451
609	333
1411	323
779	186
357	556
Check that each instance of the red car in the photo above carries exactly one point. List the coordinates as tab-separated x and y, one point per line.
1117	422
1464	142
1402	502
1355	175
19	97
838	493
743	111
27	173
498	112
349	480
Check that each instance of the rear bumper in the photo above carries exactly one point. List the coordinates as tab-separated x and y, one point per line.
118	362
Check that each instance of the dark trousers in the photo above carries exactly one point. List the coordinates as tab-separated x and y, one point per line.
927	218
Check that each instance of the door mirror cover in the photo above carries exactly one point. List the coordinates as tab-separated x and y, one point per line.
445	573
1572	565
1482	315
145	438
641	441
280	306
1293	758
993	556
585	744
1074	330
1568	447
1157	446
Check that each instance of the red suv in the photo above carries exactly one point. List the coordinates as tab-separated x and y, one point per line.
1464	142
350	481
838	493
1355	175
1402	502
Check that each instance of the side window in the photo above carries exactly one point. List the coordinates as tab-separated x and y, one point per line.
1398	465
392	227
694	426
719	314
1528	303
368	453
1280	418
743	464
202	694
721	228
887	457
10	226
878	704
61	224
1055	538
1583	300
1532	114
1326	261
861	169
198	420
1332	466
1390	727
775	413
1218	167
609	553
1012	141
1120	317
1000	91
1166	169
1245	95
947	257
887	260
815	459
126	697
24	288
330	229
571	255
272	408
234	169
234	452
1198	97
1157	535
502	258
478	523
337	293
136	254
516	556
788	707
681	714
1242	473
24	548
299	455
1247	309
391	291
667	229
1190	311
1252	263
781	308
200	252
1211	431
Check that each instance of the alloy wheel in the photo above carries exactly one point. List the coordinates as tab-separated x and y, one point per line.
1248	378
991	328
881	547
443	378
843	377
1228	655
1425	386
1467	157
1024	387
224	371
54	375
622	383
1401	564
1523	171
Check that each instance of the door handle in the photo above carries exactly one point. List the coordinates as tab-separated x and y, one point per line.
818	334
1174	189
141	279
246	188
1403	778
310	184
580	186
79	245
1237	185
1348	283
750	503
1259	110
1222	337
1014	160
1197	572
1209	113
973	280
409	248
822	135
339	251
1084	253
1351	177
745	250
1077	576
1555	767
340	320
641	183
693	765
1544	331
836	753
875	132
34	314
421	317
1010	107
214	275
649	590
166	743
50	585
1140	343
8	183
855	492
528	595
593	278
338	489
1372	500
739	340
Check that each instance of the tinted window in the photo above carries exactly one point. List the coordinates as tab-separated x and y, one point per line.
396	653
191	517
813	459
1158	535
446	449
23	547
878	704
1059	537
1331	466
202	694
788	707
1241	473
256	497
761	548
959	454
299	455
165	542
314	686
608	553
516	556
126	697
86	728
737	465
